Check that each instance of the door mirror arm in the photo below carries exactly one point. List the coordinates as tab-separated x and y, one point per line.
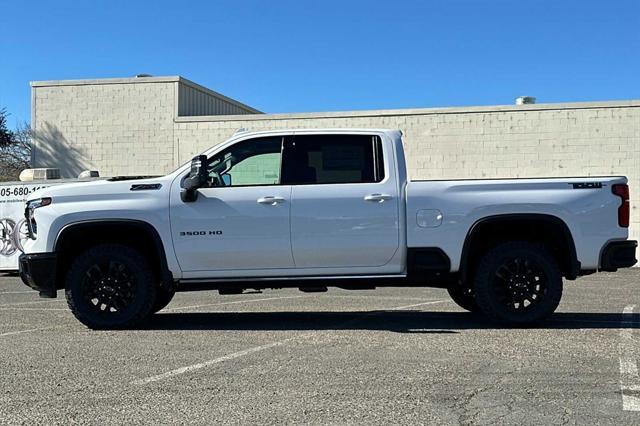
197	178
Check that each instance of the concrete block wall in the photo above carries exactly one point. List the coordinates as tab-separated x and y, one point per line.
580	139
118	125
115	127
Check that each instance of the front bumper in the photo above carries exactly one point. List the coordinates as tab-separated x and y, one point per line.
38	271
618	254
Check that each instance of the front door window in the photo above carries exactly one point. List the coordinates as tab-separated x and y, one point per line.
255	162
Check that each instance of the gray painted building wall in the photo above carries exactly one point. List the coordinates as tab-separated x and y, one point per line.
135	128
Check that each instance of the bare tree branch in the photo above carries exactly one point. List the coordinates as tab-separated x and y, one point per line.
5	134
15	149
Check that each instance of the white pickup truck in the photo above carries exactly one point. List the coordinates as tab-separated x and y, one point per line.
316	208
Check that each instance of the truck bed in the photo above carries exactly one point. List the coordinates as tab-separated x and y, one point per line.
446	210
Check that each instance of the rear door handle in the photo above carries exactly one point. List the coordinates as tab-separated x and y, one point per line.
377	198
270	200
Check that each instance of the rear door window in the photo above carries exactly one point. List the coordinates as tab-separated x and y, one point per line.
332	159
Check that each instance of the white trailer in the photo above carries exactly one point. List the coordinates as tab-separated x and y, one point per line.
13	229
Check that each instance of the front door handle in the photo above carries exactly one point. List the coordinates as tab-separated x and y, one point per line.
270	200
377	198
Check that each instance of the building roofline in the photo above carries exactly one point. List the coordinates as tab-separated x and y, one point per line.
143	80
92	81
260	116
633	103
213	93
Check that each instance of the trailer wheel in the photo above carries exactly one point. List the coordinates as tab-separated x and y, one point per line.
110	286
7	248
464	297
518	283
20	234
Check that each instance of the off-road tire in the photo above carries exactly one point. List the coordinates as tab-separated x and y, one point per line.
116	274
464	297
538	276
163	298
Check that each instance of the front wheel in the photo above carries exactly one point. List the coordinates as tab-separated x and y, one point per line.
464	297
518	283
110	286
163	297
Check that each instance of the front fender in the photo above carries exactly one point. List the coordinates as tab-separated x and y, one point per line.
53	220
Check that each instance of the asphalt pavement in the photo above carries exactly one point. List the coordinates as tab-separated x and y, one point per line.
391	355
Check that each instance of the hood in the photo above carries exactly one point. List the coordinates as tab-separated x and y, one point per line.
121	178
102	189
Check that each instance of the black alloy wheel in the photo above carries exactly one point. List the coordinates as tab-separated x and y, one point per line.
518	283
463	296
110	286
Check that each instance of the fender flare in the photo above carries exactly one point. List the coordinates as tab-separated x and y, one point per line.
573	270
166	275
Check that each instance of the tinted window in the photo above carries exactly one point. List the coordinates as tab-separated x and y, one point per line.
325	159
251	162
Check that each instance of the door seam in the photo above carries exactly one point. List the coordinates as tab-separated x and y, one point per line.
290	225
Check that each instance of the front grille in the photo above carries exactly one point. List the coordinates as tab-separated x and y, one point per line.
29	224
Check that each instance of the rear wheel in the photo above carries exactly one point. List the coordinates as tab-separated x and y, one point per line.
464	297
110	286
518	283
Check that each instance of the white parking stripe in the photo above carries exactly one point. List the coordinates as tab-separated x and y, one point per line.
562	320
31	303
433	302
207	363
372	296
11	333
230	303
629	380
239	354
32	309
18	292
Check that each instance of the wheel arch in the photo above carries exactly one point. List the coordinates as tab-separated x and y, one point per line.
137	233
535	227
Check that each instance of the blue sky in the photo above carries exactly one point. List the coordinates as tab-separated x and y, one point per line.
287	56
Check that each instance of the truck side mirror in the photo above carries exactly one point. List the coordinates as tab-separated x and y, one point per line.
197	178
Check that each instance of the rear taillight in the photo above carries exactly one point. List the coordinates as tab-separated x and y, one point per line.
622	191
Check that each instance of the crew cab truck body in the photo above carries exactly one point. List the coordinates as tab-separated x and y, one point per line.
317	208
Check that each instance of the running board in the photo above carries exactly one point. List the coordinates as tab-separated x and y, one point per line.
350	282
292	278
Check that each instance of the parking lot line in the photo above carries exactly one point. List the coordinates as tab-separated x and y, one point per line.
629	379
18	292
249	351
31	303
11	333
587	321
374	296
230	303
18	308
207	363
433	302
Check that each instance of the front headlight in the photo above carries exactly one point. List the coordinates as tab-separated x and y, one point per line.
32	205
